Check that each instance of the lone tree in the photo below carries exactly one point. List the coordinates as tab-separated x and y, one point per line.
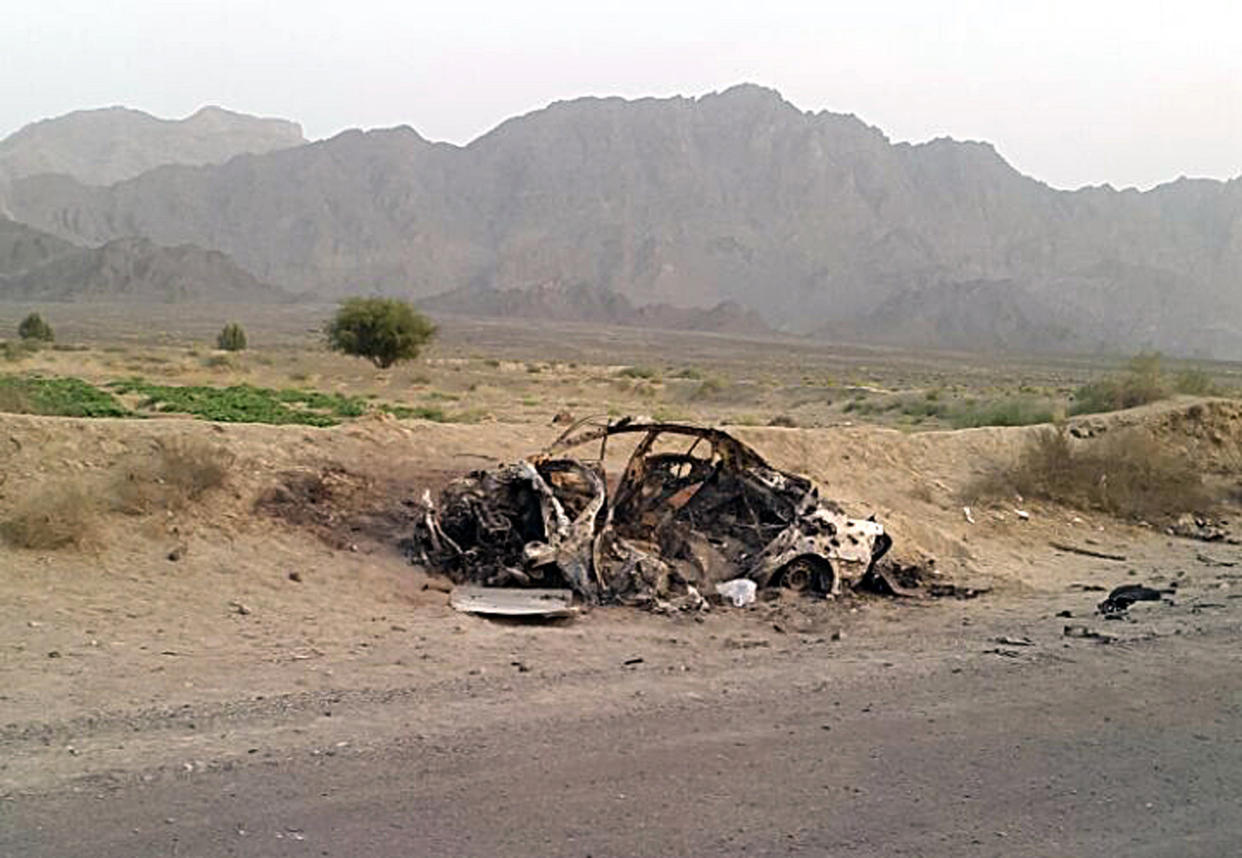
382	330
232	338
34	328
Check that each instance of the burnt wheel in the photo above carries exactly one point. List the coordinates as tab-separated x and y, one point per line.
809	573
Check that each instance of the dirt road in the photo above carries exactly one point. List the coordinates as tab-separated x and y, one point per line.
918	733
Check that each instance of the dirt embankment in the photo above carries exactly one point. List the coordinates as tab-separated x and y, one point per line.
286	578
348	488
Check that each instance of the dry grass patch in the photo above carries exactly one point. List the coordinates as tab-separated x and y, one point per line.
173	474
1127	473
60	515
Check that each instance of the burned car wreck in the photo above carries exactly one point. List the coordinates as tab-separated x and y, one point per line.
676	523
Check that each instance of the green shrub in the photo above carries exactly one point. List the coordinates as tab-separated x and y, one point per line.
33	328
382	330
232	338
1194	382
1142	383
1010	411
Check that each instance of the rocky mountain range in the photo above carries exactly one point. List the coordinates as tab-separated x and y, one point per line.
815	220
35	266
556	302
111	144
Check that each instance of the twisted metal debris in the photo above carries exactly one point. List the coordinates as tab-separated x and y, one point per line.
676	523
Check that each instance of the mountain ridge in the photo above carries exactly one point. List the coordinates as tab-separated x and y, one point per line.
102	146
42	267
814	219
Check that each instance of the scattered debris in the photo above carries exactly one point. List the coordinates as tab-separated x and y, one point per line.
955	591
513	602
1008	641
739	591
1086	552
1007	653
892	579
1202	529
1022	514
677	522
966	512
239	608
1212	561
1121	598
1075	631
630	662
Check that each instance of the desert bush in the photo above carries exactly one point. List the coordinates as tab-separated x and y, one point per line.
1143	382
710	387
382	330
1125	473
646	372
33	328
169	476
783	420
56	516
1194	382
19	350
920	408
232	338
1009	411
219	362
423	412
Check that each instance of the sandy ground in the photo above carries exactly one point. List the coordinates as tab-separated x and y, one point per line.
141	680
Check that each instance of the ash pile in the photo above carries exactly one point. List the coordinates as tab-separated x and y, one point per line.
675	526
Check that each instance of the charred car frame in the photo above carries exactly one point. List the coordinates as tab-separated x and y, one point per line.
675	523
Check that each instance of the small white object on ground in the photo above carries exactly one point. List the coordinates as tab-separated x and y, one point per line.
966	512
740	591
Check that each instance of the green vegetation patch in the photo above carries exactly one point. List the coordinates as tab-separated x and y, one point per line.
244	403
1010	411
967	413
60	397
421	412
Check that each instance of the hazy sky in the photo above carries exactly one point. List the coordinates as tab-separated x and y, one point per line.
1073	93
